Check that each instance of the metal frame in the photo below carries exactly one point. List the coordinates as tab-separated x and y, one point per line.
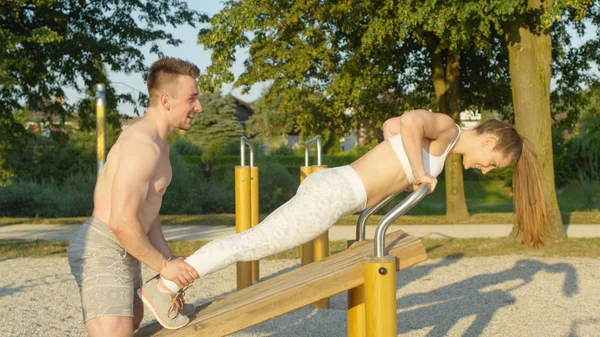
400	209
316	139
245	141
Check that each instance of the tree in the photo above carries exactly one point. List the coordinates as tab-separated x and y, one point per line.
359	54
269	123
528	35
310	51
51	45
367	56
216	126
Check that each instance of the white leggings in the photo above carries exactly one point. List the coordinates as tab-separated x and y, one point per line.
323	198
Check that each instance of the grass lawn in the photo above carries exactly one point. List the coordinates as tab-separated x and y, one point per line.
436	248
576	217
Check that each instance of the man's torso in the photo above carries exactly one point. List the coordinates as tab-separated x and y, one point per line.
157	185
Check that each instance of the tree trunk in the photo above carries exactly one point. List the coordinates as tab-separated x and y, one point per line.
446	84
329	142
456	203
530	60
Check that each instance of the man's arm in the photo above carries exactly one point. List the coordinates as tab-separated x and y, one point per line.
157	238
138	159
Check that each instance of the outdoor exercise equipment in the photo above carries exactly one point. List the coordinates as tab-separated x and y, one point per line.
246	210
318	248
372	264
100	126
372	305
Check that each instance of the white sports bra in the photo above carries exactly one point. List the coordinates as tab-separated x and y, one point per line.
433	165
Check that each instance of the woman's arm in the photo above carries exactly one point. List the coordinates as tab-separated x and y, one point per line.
413	126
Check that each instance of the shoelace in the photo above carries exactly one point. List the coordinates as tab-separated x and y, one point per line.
177	303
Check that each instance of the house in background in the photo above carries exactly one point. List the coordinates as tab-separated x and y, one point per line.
40	122
243	111
469	119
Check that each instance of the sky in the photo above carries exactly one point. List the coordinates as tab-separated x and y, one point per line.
188	50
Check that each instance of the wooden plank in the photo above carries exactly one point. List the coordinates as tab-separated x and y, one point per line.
291	291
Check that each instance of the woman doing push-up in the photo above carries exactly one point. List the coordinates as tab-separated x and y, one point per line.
413	152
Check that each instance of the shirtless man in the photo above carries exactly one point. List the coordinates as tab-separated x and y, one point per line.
125	228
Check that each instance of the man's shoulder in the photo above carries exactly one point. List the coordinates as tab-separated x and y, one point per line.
135	141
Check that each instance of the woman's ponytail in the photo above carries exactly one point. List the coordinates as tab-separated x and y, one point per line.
533	220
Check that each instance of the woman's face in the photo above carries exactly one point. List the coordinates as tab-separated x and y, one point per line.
482	156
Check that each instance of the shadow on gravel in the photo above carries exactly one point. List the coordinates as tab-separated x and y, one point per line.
10	289
42	281
308	321
442	308
581	322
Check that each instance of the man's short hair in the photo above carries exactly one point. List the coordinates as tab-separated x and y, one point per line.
164	72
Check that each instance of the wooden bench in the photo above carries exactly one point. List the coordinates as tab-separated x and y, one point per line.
293	290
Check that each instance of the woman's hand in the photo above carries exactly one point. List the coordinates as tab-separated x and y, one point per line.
420	181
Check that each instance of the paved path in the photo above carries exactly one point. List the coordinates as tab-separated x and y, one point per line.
187	232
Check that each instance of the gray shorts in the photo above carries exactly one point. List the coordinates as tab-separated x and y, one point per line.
106	274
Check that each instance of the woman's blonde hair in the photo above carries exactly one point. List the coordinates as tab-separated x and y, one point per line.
533	220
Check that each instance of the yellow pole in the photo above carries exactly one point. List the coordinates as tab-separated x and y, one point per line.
254	213
100	126
380	296
321	247
306	250
356	307
243	220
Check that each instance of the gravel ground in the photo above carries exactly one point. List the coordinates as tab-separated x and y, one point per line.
491	296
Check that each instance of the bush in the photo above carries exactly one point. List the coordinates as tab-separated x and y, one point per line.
29	199
188	193
276	184
565	160
77	195
54	158
234	148
185	147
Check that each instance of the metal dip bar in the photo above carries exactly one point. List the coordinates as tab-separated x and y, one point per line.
400	209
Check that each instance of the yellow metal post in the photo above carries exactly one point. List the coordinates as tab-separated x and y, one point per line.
254	213
380	296
306	250
243	220
100	126
356	307
321	247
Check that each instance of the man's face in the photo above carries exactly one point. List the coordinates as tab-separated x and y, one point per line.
184	103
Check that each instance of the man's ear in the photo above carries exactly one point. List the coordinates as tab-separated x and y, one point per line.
165	101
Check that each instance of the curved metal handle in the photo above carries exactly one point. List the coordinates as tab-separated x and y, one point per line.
316	139
400	209
361	224
244	141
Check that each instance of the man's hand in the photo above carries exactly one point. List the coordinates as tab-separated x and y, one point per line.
420	181
180	272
